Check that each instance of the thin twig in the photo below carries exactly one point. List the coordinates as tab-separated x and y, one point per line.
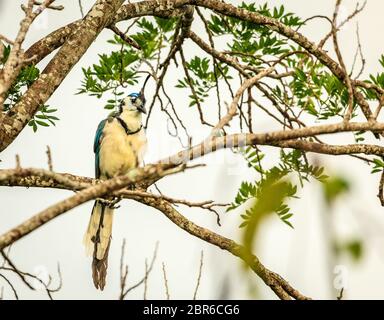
206	205
165	282
17	271
146	280
5	39
348	114
148	270
199	275
185	25
53	7
379	107
193	90
49	156
380	194
81	8
10	285
18	165
359	52
124	37
340	296
16	58
351	16
123	271
248	83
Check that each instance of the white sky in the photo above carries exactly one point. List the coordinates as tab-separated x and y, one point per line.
298	255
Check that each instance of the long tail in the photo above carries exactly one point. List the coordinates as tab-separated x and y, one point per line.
97	240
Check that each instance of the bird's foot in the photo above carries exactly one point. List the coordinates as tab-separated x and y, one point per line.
113	204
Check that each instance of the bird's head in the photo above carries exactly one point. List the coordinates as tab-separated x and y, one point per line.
134	102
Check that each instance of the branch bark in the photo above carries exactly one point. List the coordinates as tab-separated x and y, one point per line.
279	286
79	35
153	172
92	192
284	139
101	15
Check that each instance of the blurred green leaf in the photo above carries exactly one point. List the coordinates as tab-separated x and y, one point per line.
354	248
335	187
270	199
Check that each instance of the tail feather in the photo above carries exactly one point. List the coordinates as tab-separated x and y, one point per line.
99	270
97	240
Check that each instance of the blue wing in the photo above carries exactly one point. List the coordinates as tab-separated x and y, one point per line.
96	146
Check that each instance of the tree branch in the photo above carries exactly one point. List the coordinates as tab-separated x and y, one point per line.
281	287
101	15
24	110
92	192
16	59
284	139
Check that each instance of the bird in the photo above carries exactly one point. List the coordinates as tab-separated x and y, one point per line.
119	146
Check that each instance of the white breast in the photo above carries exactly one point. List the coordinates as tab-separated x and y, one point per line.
120	152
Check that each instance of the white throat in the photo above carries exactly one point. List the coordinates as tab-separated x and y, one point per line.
133	119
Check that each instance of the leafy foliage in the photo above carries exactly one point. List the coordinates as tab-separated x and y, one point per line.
118	69
359	136
43	118
378	165
203	78
354	248
6	52
227	25
311	86
27	76
315	90
378	79
334	187
113	72
251	41
270	195
276	177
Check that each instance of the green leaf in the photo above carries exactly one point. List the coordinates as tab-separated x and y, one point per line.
334	187
270	199
353	247
42	123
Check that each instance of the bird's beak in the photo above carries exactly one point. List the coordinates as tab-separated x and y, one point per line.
142	109
142	98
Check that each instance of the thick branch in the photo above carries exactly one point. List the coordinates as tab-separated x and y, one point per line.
281	287
39	50
236	140
105	188
99	190
16	58
285	139
17	118
101	15
332	149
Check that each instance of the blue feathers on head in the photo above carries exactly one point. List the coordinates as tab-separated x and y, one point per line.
134	94
140	96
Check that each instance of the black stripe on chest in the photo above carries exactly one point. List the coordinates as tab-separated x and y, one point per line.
125	127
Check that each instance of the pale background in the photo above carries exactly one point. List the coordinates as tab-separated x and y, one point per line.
299	255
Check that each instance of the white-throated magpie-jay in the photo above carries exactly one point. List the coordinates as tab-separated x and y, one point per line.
119	146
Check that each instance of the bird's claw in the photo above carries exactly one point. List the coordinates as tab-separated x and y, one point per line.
113	204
